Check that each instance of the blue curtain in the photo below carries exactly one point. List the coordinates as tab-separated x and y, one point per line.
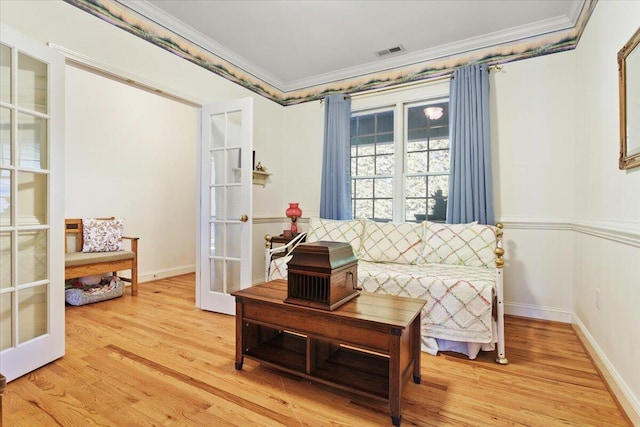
470	184
335	195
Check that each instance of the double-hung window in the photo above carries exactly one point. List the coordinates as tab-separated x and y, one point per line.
400	162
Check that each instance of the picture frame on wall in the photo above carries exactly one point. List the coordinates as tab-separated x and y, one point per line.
629	84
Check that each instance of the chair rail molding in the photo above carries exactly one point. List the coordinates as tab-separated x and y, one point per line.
276	220
620	231
530	223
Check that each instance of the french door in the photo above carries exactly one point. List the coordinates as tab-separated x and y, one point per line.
223	264
31	204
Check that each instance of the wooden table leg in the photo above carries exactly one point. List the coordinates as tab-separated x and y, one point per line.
239	343
395	377
416	350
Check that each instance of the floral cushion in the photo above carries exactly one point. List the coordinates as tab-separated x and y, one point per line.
388	242
347	231
470	244
102	235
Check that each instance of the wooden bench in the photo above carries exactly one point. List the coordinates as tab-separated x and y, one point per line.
79	264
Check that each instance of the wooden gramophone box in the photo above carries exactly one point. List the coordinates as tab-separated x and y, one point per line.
322	275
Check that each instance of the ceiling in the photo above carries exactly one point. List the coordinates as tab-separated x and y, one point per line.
293	51
296	44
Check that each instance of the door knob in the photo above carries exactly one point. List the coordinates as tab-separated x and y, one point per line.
244	218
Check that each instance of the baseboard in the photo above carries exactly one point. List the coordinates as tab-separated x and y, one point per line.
537	312
627	401
169	272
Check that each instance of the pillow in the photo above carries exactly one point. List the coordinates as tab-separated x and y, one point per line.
102	235
334	230
470	244
389	242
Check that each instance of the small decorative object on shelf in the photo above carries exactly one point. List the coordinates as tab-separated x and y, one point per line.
260	175
294	212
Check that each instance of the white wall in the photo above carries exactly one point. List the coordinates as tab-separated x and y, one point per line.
532	132
131	154
607	200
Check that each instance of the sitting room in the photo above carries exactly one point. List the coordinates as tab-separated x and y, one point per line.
473	166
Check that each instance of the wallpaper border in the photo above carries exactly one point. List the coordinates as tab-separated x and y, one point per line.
126	19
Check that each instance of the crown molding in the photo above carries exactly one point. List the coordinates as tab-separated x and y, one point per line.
153	13
576	11
530	32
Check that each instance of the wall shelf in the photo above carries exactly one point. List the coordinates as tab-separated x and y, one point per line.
260	178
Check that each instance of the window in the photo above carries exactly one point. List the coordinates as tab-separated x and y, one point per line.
401	174
372	165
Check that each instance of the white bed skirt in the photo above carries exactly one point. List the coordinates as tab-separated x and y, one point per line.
470	349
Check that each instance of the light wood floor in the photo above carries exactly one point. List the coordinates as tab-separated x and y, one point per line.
155	359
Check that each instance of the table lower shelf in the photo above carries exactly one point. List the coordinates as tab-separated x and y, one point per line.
346	368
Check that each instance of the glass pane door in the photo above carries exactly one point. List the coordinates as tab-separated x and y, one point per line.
225	188
31	263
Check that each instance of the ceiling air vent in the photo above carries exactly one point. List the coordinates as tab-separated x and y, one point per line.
391	51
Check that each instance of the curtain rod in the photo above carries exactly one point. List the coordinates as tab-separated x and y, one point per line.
371	92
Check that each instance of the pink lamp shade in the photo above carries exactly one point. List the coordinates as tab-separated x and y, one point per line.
293	212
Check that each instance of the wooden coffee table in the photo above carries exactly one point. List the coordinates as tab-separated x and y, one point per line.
369	346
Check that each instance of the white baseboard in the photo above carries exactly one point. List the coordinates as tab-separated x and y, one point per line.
169	272
629	403
537	312
515	309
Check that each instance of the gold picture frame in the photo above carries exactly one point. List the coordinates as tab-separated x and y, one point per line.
629	82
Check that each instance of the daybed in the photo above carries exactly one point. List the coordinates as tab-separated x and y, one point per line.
457	268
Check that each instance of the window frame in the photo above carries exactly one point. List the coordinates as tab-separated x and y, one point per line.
399	101
405	143
395	162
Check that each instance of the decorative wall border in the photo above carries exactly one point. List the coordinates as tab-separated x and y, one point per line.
131	21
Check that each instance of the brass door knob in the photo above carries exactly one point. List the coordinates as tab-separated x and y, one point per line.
244	218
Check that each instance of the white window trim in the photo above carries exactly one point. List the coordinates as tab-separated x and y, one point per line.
399	101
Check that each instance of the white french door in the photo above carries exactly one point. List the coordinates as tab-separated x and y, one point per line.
31	204
225	204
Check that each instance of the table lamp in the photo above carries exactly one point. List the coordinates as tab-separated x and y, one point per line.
293	212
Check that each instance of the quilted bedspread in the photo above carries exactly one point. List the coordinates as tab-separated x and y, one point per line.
458	297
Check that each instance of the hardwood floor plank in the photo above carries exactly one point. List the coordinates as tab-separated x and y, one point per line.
155	359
